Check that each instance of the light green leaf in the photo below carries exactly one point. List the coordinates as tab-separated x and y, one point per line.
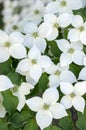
53	128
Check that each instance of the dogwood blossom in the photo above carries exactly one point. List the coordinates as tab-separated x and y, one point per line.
5	83
72	52
73	95
33	66
33	37
20	92
78	33
2	108
47	107
57	73
62	6
11	45
50	27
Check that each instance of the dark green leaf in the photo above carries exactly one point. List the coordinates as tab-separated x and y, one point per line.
81	122
19	119
53	128
31	125
15	78
10	101
3	125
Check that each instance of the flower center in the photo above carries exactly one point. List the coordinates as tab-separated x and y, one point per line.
46	106
35	35
15	88
7	44
36	11
57	73
71	51
63	3
15	27
81	28
56	25
72	95
33	61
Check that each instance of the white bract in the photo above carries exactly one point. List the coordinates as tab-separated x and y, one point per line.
20	92
57	73
49	28
73	95
47	107
5	83
62	6
33	66
71	52
33	37
2	108
11	45
78	33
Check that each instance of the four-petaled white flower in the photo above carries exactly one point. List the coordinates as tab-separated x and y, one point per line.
78	33
73	95
57	73
49	28
33	37
62	6
2	108
5	83
11	45
47	107
20	92
34	65
72	52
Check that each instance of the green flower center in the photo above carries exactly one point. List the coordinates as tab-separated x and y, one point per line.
15	27
72	95
33	61
7	44
63	3
71	51
56	25
57	73
46	106
36	11
35	35
81	28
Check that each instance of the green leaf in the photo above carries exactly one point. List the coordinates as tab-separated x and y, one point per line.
66	123
43	82
31	125
15	78
19	119
5	67
81	122
53	128
54	48
75	69
10	101
3	125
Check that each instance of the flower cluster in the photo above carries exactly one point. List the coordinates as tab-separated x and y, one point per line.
32	29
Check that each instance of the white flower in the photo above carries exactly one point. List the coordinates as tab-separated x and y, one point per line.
49	28
73	95
34	65
78	33
47	107
62	6
72	52
11	45
36	13
20	92
82	74
2	109
57	73
33	37
5	83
